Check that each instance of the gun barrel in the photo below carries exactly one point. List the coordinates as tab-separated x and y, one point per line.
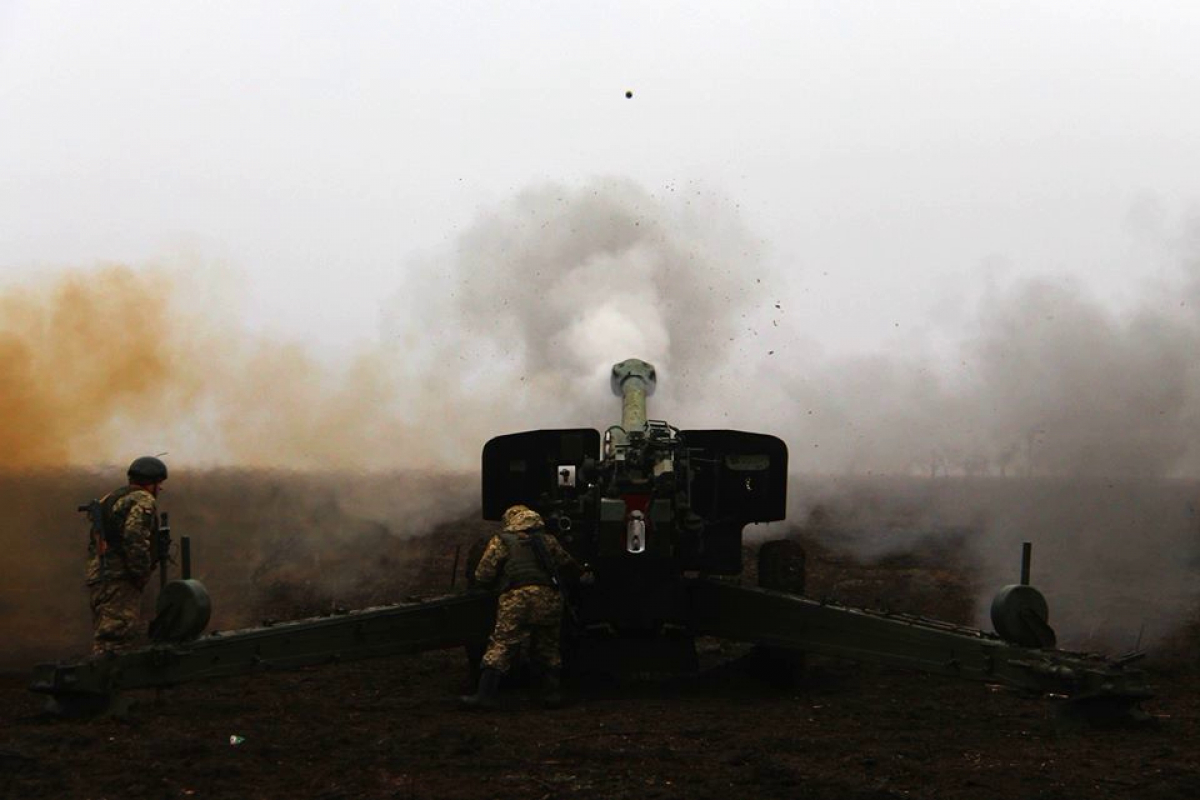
633	380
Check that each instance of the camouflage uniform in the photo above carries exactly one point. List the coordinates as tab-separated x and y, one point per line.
116	590
533	609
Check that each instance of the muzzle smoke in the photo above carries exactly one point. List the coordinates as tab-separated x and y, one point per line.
516	325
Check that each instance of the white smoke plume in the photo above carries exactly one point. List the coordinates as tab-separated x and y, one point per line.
522	321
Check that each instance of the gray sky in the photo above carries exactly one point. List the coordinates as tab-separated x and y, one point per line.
889	167
886	155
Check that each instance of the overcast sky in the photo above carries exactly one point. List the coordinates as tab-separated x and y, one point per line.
888	157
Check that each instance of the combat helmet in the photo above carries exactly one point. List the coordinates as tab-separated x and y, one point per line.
147	469
521	518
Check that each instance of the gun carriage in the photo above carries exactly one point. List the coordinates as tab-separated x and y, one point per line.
657	513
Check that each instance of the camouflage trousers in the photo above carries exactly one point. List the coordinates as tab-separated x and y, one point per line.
527	611
116	612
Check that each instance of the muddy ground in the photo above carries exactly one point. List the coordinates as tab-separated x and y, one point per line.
390	728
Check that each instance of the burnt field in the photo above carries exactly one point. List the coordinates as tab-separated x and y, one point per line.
390	728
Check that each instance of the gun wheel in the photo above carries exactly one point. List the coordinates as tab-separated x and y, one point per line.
781	566
1020	615
183	611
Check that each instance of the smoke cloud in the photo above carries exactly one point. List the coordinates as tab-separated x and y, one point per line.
522	320
80	356
1049	383
516	327
98	365
1057	420
1054	418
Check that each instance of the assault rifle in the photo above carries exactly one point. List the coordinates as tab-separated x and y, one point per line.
95	515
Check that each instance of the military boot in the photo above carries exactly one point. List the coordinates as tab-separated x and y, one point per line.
551	686
485	696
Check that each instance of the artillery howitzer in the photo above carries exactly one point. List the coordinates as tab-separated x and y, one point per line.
657	513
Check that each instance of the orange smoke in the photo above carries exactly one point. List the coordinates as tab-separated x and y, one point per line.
98	366
76	355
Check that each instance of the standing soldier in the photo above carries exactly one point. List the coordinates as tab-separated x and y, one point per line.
522	563
121	556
